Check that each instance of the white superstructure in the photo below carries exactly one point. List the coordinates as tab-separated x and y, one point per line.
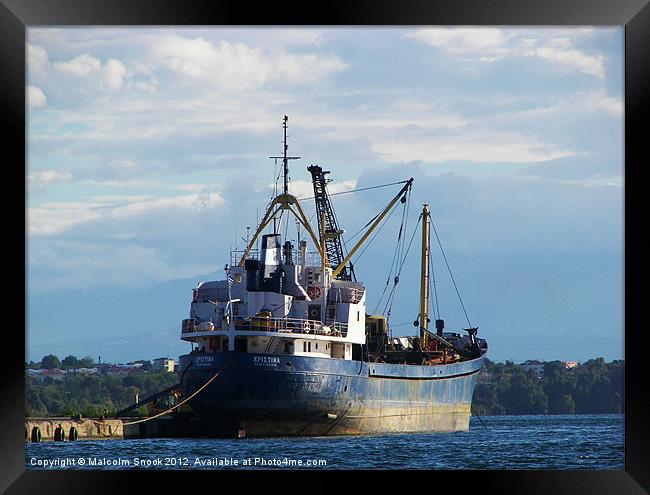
273	305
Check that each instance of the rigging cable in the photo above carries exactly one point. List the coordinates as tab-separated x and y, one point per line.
406	222
361	189
384	222
373	218
399	250
435	290
393	291
392	264
388	308
449	269
275	191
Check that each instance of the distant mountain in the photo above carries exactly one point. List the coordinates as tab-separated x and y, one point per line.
117	324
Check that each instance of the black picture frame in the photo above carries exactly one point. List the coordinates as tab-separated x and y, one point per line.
17	15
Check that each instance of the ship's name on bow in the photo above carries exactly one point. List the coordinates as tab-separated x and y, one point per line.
203	360
265	361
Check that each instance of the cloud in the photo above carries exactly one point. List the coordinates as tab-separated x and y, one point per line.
115	72
237	66
112	73
123	239
191	202
305	188
37	60
460	41
475	146
588	64
57	217
53	218
82	65
112	262
600	101
492	44
49	176
35	97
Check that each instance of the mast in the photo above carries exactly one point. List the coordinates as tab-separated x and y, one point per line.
289	202
424	279
285	158
282	202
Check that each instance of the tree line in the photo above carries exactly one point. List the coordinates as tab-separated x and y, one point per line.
72	362
593	387
90	395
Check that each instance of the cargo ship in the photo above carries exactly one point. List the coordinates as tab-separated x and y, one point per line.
284	344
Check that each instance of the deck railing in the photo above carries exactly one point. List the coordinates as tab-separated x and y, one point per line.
279	325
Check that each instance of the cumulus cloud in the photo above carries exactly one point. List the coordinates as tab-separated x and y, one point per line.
115	72
305	189
237	65
112	72
491	44
559	54
81	65
35	97
600	101
37	60
462	41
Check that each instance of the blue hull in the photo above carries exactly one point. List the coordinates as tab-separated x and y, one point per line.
270	395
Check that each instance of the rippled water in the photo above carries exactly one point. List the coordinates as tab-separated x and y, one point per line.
507	442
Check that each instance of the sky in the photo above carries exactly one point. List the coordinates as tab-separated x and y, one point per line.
148	156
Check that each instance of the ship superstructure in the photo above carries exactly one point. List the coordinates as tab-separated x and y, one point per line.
288	331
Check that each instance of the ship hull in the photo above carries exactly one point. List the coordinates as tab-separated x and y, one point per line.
268	395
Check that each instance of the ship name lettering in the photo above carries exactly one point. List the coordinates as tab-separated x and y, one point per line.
266	361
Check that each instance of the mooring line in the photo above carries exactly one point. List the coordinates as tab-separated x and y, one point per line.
183	401
479	418
171	408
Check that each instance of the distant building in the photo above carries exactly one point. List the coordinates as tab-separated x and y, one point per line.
38	375
164	364
570	364
86	371
536	366
118	369
41	375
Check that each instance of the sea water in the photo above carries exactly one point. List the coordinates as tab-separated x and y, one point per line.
492	442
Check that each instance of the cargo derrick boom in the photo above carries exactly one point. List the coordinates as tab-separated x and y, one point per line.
327	225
